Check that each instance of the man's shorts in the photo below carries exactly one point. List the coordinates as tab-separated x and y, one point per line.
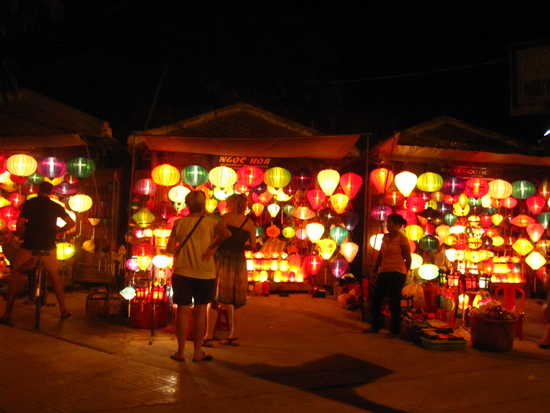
187	290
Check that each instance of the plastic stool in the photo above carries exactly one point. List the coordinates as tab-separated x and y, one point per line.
223	324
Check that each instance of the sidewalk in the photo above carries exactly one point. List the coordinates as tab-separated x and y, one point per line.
297	354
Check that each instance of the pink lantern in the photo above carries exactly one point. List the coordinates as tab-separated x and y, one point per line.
313	264
381	212
338	267
409	216
132	264
145	186
52	167
416	204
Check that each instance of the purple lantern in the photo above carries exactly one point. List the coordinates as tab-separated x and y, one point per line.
65	188
338	267
381	213
302	179
350	219
453	185
52	167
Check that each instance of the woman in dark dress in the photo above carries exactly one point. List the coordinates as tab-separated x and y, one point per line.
231	268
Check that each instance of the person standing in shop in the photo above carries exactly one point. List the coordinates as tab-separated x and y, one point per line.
393	263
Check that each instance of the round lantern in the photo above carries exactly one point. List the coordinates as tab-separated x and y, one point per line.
381	178
65	250
222	177
349	250
350	219
339	267
210	205
142	217
339	234
381	212
273	231
376	241
428	272
165	175
277	177
327	247
428	243
259	231
328	180
339	202
80	203
222	207
416	261
509	203
429	182
394	198
453	185
523	189
287	209
500	189
405	182
145	186
81	167
351	183
535	260
65	188
413	232
535	204
250	175
52	167
289	232
161	261
416	204
178	194
194	175
35	178
316	198
302	178
408	215
315	231
313	264
21	165
132	264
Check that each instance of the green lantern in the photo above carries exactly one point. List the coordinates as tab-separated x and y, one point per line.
277	177
523	189
194	175
428	243
143	217
339	234
259	231
287	209
35	178
81	167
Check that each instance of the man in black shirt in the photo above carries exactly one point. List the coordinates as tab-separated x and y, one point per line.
37	225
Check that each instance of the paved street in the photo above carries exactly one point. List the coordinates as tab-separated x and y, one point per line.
296	354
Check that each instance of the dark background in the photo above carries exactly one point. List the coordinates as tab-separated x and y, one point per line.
345	67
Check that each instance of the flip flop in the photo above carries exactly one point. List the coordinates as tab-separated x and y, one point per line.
229	342
207	343
176	358
207	357
66	315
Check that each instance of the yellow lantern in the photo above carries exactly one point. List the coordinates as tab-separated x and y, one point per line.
142	217
460	255
65	250
416	261
497	219
165	175
339	202
376	241
263	276
349	250
486	201
474	256
414	232
283	265
80	203
523	246
500	189
21	165
222	177
461	211
211	204
277	177
281	196
498	241
315	231
162	232
273	209
450	240
428	272
405	182
327	247
258	209
144	261
277	276
429	182
535	260
443	231
328	181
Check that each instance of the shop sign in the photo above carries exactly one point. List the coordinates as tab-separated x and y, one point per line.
466	171
238	161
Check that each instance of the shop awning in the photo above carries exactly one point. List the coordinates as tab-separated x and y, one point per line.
392	150
318	147
40	141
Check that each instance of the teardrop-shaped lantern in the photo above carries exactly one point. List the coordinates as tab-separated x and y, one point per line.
313	264
535	231
544	218
339	234
405	182
339	202
144	261
327	247
273	210
535	204
178	194
350	219
381	178
315	231
351	183
338	267
328	181
143	217
544	188
349	250
316	198
277	177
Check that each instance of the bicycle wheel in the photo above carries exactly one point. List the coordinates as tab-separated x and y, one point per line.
39	284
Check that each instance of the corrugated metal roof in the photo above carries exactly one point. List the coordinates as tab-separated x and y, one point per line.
31	114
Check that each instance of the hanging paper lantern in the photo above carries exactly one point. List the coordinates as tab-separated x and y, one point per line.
429	182
35	178
273	210
444	208
381	213
328	217
165	175
327	247
450	219
338	267
408	215
461	211
428	243
497	219
351	183
210	205
535	204
52	167
509	203
405	182
349	250
523	246
339	234
315	231
194	175
21	165
65	188
416	261
376	241
474	256
161	261
544	188
522	220
339	202
428	272
474	243
316	198
313	264
259	231
453	185
145	186
413	232
416	204
142	217
16	199
302	213
258	209
523	189
81	167
250	175
302	178
381	178
132	264
80	203
350	219
535	260
277	177
273	231
535	231
65	250
223	177
500	189
222	207
394	198
287	209
289	232
164	210
144	261
544	218
178	194
328	180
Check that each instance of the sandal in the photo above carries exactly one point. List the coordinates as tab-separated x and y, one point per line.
66	315
176	358
230	342
207	357
207	343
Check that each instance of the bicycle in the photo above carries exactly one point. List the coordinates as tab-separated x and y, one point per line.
39	291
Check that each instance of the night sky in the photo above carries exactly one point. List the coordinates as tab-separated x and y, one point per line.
353	67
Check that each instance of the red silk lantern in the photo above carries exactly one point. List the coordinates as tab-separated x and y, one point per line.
509	203
381	178
409	216
476	187
16	199
145	186
222	207
394	198
451	199
9	213
522	221
250	175
350	183
535	204
416	204
316	198
16	179
543	189
535	231
313	264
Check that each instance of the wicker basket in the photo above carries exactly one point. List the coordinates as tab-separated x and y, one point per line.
492	335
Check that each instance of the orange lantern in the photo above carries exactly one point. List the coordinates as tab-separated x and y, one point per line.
381	178
165	175
258	209
339	202
328	180
405	182
349	250
273	231
394	198
522	220
509	203
544	188
222	207
351	183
